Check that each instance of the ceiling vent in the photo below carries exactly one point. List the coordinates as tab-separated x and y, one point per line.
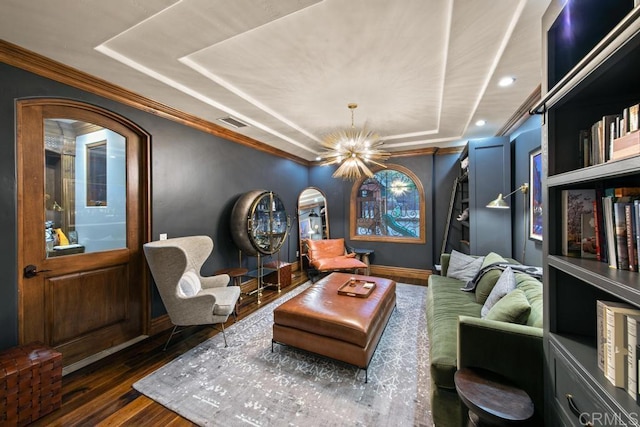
231	121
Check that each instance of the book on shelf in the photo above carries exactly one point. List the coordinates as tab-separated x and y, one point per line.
613	137
631	234
584	149
620	224
626	146
575	203
620	244
616	342
633	326
632	118
601	328
609	231
636	215
589	245
601	252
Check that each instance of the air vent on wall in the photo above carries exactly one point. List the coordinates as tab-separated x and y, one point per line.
231	121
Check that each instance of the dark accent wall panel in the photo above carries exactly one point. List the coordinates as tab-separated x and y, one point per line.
527	138
196	179
489	174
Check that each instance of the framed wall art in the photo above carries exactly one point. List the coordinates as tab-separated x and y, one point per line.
535	194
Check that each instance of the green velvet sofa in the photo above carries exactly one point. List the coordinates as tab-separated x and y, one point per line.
459	337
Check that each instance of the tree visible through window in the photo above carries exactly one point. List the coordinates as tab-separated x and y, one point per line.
388	207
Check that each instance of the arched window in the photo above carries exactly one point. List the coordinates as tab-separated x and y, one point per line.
389	207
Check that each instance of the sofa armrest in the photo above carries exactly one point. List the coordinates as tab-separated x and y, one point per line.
511	350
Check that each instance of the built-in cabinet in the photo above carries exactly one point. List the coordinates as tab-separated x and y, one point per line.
601	79
462	202
484	171
489	174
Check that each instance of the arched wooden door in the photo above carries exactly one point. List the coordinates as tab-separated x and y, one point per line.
82	212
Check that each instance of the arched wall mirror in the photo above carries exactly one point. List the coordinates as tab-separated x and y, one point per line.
312	217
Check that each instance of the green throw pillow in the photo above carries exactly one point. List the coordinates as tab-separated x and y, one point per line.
489	279
512	308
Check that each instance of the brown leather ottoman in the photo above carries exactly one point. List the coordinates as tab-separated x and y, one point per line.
341	327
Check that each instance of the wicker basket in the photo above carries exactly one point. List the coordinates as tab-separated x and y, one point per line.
30	383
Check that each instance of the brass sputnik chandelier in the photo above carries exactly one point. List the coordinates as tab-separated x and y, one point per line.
353	149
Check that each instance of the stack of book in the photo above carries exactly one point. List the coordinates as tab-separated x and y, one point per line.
602	224
618	345
614	137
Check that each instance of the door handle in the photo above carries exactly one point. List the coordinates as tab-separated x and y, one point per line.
32	271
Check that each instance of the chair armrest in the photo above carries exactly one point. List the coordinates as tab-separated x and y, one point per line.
195	310
511	350
217	281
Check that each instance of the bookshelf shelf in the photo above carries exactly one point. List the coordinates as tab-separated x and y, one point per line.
600	83
624	284
596	173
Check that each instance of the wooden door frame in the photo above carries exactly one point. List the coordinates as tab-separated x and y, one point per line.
144	185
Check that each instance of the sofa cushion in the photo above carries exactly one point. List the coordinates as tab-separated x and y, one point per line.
532	288
512	308
341	262
505	284
445	302
489	279
326	248
463	267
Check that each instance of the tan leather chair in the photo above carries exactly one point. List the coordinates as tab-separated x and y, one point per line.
189	298
330	255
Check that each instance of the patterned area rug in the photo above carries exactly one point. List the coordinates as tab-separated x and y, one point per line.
246	384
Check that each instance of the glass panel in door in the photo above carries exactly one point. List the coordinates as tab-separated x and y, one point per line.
85	188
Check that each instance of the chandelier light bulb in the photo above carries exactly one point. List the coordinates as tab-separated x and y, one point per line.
351	148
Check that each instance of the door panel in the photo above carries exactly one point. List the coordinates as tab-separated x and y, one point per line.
82	201
75	312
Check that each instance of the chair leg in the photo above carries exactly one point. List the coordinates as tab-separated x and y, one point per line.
224	335
173	332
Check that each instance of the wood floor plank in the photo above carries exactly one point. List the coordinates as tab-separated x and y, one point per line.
102	393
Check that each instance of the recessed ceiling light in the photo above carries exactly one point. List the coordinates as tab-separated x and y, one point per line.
318	158
481	122
506	81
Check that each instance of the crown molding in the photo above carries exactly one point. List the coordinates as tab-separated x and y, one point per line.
522	113
35	63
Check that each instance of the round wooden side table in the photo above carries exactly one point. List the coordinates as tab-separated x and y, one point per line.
492	400
235	274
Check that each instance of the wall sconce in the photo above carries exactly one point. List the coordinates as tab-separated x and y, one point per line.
499	203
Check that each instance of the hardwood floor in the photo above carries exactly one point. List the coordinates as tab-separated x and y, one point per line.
101	394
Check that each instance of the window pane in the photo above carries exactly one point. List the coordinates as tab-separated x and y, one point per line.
85	188
388	205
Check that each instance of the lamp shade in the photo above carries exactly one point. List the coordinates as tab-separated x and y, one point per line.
498	203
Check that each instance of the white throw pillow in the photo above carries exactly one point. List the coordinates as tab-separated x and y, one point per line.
463	267
505	284
189	284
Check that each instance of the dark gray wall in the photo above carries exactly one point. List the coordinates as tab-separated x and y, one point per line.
196	179
436	174
527	138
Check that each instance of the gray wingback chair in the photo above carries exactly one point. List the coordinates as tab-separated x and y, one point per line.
189	298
